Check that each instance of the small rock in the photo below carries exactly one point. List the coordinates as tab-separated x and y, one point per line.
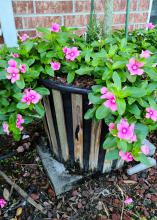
99	206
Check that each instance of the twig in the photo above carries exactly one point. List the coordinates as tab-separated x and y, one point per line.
122	193
23	193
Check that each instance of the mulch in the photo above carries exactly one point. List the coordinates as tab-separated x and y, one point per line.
99	197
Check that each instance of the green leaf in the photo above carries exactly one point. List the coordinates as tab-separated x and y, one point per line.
112	51
3	75
43	30
116	80
121	106
141	131
112	154
96	88
110	142
90	113
70	77
144	159
134	109
20	83
42	91
49	71
84	70
40	109
102	112
118	65
28	45
4	102
123	146
152	73
22	105
136	92
94	99
18	96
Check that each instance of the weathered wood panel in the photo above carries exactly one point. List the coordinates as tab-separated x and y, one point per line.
107	164
77	114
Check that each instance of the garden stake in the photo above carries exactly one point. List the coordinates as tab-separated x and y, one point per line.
108	16
127	18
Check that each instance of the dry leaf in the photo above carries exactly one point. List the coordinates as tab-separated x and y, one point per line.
19	211
6	194
130	181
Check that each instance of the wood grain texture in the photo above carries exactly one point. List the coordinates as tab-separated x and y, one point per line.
95	145
120	163
77	114
59	111
107	164
51	129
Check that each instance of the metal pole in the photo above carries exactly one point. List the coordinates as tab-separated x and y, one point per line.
127	18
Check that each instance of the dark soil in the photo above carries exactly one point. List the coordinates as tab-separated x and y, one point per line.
99	198
85	82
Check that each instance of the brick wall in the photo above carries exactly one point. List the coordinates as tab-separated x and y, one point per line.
75	13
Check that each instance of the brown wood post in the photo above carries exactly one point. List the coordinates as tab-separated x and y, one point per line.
108	17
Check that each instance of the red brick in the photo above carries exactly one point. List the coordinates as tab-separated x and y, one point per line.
82	6
117	27
99	5
138	17
143	5
76	20
139	26
18	23
43	7
23	7
30	33
42	21
120	5
118	18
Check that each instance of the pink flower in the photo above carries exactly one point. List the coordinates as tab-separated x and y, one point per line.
12	63
55	65
134	67
31	96
111	101
19	121
55	27
22	68
145	149
151	113
125	131
71	53
145	54
133	138
2	203
5	127
13	74
128	201
127	156
24	37
15	55
150	26
111	126
103	90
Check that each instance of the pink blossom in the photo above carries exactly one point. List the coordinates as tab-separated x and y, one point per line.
19	121
55	27
150	26
127	156
22	68
145	149
133	138
24	37
151	113
2	203
30	96
71	53
5	127
55	65
145	54
15	55
111	101
12	63
134	67
128	201
125	131
13	74
111	126
103	90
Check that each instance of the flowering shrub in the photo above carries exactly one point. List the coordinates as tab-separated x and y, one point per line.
124	94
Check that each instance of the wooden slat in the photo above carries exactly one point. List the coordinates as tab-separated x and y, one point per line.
95	144
107	164
58	105
120	163
50	125
77	114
